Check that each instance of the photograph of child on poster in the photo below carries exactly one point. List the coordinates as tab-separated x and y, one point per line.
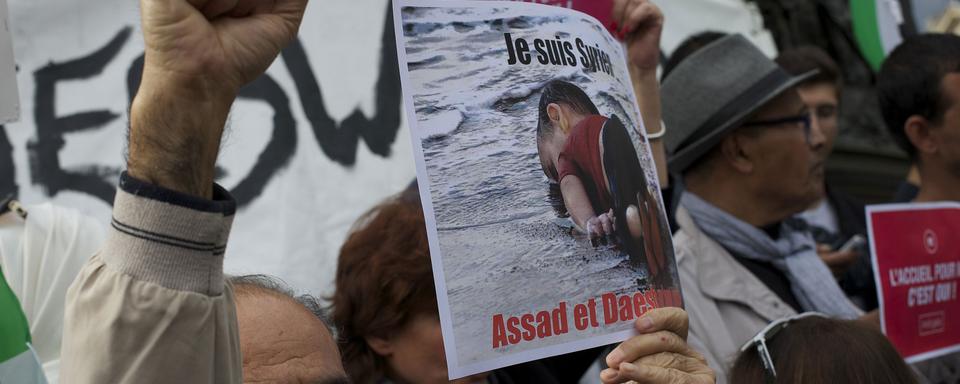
546	226
601	184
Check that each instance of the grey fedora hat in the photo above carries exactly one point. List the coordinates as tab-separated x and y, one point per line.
713	91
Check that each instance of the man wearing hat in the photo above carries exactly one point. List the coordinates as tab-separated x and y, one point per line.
744	144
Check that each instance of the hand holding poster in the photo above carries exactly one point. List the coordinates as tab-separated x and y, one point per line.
546	227
916	261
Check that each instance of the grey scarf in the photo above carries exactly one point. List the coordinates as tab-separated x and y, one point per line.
794	253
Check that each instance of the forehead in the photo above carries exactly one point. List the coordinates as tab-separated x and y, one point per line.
951	88
282	342
818	93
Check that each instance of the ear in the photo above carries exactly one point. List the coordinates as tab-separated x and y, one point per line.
382	346
558	118
921	134
737	151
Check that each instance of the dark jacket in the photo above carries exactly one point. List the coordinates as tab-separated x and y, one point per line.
568	368
857	282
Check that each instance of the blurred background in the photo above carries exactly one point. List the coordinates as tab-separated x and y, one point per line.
857	34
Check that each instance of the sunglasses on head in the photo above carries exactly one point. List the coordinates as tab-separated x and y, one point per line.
760	342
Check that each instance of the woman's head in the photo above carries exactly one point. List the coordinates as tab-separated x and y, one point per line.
821	350
385	306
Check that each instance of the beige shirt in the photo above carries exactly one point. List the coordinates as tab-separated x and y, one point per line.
726	303
152	305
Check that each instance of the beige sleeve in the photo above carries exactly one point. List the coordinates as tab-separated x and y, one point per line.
152	305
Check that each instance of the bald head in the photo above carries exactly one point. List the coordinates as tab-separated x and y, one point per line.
281	339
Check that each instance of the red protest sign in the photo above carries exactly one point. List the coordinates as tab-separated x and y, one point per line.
916	260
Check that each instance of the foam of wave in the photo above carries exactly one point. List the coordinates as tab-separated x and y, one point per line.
414	65
440	124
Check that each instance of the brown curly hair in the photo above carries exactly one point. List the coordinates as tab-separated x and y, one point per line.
384	279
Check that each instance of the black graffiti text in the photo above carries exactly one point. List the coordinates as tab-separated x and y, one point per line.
339	141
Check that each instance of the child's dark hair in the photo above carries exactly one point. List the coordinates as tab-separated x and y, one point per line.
562	92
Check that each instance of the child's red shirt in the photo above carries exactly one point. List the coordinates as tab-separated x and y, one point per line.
581	157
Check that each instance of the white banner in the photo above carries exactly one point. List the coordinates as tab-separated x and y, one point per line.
310	146
9	104
689	17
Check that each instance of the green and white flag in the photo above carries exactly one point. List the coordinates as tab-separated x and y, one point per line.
18	361
876	25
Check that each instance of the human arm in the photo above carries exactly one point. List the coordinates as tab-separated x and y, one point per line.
198	55
659	354
578	204
641	23
647	88
152	305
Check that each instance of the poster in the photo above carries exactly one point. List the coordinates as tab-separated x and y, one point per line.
9	102
508	102
916	259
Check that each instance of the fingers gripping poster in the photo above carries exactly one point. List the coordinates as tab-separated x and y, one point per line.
546	226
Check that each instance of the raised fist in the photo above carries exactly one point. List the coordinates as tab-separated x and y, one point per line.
219	43
198	55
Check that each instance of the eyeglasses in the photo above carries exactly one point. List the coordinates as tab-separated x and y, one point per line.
803	120
760	342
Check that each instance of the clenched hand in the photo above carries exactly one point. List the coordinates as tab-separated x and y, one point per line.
198	55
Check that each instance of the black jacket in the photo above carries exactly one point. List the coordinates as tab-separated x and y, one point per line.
857	282
561	369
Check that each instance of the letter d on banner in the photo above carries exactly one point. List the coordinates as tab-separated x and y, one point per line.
9	100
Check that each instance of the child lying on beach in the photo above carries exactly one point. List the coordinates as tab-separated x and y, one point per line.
600	187
568	142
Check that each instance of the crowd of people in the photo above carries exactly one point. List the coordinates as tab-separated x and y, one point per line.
769	294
